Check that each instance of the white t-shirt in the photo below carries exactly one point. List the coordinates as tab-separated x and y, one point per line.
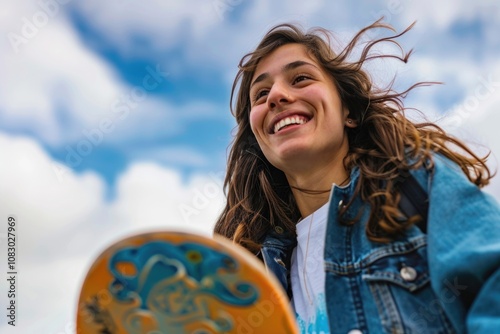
308	274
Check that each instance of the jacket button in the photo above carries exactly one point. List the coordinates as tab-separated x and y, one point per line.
279	229
408	273
355	331
341	203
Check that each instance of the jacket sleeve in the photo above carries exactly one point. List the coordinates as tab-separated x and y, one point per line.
464	249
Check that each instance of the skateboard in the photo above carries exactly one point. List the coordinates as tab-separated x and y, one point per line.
178	282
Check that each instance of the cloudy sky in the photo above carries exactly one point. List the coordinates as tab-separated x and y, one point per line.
114	116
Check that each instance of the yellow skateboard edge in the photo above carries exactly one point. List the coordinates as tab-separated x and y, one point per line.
265	308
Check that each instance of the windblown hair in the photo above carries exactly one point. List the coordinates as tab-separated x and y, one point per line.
384	145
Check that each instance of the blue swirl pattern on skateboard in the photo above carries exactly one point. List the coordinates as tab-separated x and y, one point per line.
171	286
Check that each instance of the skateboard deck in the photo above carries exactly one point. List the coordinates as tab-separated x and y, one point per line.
177	282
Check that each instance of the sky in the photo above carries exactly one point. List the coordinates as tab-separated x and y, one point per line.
114	116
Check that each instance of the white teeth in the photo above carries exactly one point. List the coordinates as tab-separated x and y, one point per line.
287	121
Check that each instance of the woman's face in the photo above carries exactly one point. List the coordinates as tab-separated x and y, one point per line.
296	113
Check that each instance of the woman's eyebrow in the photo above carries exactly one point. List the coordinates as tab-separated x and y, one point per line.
287	67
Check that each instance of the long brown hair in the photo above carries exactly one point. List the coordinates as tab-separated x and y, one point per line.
381	146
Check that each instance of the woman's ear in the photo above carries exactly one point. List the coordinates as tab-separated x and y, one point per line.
351	123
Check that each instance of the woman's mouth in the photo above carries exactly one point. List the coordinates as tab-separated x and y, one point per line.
288	121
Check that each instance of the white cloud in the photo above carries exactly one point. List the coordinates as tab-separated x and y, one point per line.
64	222
441	14
49	72
58	88
48	213
163	23
30	187
480	119
181	155
206	30
152	196
474	118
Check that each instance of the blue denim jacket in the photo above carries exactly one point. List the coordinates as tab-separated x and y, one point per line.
445	281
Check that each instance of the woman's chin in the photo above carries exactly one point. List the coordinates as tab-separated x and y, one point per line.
290	155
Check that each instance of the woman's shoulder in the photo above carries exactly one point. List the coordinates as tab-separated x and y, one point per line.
448	183
438	168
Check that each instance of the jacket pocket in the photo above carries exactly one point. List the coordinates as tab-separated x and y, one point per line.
398	279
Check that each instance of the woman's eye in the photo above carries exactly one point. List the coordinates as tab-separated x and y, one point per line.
300	78
260	94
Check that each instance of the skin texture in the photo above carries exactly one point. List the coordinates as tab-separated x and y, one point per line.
290	82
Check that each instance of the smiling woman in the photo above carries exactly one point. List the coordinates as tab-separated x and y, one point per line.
297	116
369	220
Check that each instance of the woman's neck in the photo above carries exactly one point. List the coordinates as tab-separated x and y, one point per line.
311	190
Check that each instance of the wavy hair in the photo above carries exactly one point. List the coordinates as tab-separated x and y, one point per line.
384	145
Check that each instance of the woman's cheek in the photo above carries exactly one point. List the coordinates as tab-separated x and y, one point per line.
256	120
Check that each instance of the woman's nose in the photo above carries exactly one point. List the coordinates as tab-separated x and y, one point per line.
278	96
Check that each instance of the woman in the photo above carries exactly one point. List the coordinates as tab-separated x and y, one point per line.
314	188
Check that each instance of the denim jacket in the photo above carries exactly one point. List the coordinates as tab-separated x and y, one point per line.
445	281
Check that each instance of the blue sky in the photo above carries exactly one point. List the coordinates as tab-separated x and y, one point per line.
114	116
